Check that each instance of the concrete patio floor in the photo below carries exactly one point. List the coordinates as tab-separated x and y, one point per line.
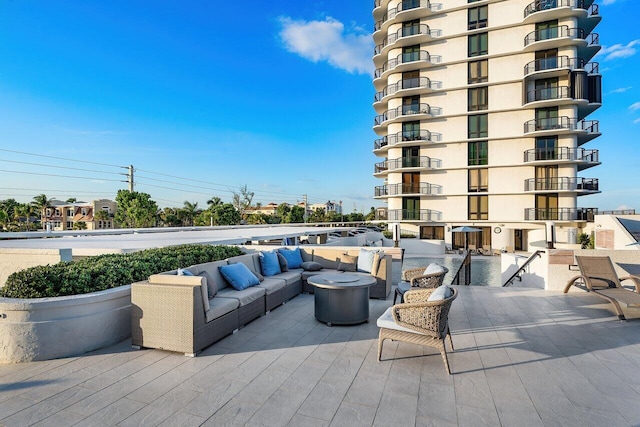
523	357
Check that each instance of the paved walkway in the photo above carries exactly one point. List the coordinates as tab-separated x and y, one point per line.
523	358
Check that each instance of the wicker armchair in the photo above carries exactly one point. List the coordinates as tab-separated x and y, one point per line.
418	321
415	278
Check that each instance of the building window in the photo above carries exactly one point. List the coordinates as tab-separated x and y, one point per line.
478	71
478	98
547	148
477	126
411	28
70	212
69	225
411	208
432	232
546	207
83	211
411	53
478	180
478	153
478	207
477	17
478	44
410	131
411	104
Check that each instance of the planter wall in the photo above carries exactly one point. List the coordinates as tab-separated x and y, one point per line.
50	328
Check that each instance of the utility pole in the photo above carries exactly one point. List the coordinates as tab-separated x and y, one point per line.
130	176
306	215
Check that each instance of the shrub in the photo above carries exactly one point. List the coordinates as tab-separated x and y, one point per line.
102	272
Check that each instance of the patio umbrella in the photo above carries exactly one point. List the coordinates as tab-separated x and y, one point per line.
465	229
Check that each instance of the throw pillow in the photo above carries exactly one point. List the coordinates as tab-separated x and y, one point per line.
433	268
293	256
269	264
212	288
284	265
442	292
365	260
348	263
184	272
238	275
311	266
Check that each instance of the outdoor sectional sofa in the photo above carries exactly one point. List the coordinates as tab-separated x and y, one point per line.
186	313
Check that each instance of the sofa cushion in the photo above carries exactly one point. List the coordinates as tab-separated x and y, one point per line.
251	261
290	277
348	263
293	256
238	275
221	306
245	296
311	266
212	269
366	260
284	265
212	289
272	284
269	263
329	258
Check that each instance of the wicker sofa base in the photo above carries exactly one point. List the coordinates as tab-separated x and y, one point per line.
417	339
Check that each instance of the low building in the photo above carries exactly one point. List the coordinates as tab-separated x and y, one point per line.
80	215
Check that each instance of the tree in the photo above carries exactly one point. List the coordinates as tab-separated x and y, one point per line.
169	217
189	212
71	200
371	216
295	215
214	201
282	211
317	215
100	215
241	201
4	220
79	225
41	203
135	209
226	214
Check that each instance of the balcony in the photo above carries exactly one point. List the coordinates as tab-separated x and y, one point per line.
586	129
413	215
559	65
557	37
408	87
584	158
571	184
411	137
547	10
413	8
417	189
560	214
421	162
407	62
549	94
409	35
407	111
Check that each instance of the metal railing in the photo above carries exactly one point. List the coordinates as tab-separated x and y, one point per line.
549	93
557	62
561	31
422	188
561	153
406	136
423	162
407	110
415	30
520	270
561	123
416	82
463	275
560	214
405	58
561	184
542	5
413	215
406	5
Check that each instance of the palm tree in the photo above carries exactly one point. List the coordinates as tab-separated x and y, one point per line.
189	211
41	203
4	219
214	201
101	215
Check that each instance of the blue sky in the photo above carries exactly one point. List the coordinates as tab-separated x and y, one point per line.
204	97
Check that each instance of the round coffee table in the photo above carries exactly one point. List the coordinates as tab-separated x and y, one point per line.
342	299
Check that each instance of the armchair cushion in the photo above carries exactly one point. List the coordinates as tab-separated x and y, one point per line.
434	268
440	293
404	286
239	276
387	321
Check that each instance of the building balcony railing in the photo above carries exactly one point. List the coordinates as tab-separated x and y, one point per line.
562	31
560	214
407	58
406	136
412	215
422	162
561	123
544	5
549	93
561	153
417	30
619	212
419	188
406	84
407	110
560	62
404	6
562	184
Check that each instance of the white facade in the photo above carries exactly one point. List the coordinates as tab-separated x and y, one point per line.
481	109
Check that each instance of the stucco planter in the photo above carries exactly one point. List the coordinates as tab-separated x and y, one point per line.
49	328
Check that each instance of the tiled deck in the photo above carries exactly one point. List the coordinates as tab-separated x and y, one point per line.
523	358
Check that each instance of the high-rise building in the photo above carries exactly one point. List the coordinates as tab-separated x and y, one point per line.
482	117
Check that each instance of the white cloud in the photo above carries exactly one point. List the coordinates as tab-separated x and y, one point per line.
636	121
635	106
327	40
619	50
622	89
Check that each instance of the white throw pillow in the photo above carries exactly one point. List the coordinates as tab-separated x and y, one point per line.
442	292
434	268
365	260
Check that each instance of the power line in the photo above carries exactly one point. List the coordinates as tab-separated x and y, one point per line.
59	176
56	167
61	158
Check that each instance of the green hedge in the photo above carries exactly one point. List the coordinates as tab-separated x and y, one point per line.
102	272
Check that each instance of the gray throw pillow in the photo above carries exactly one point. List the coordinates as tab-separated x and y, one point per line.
212	288
311	266
284	265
